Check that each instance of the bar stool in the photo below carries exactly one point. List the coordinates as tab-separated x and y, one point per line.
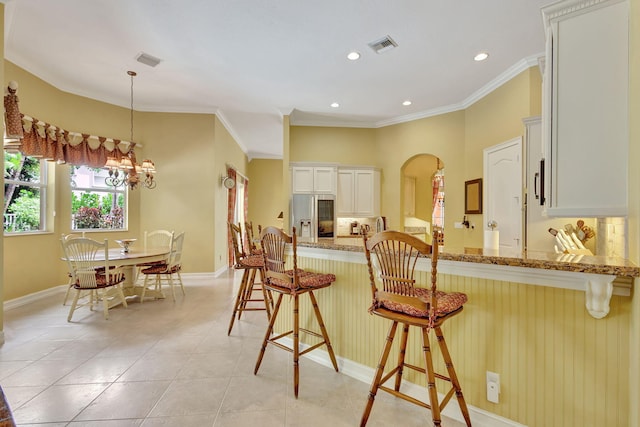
253	248
249	264
400	301
294	283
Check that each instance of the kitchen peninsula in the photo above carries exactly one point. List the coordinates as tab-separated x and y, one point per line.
525	319
599	276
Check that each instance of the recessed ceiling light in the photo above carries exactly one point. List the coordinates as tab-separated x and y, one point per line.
481	56
406	103
353	56
335	105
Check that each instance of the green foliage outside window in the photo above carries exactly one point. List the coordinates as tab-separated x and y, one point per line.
27	210
22	193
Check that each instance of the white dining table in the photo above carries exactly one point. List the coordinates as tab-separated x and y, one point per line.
128	261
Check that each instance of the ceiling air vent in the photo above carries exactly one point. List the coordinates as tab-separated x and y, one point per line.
384	44
147	59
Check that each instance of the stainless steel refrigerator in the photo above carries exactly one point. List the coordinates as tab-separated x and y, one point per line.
313	215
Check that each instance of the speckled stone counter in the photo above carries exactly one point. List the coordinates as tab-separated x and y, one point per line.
542	260
599	277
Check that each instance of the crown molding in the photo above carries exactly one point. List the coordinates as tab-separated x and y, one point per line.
225	122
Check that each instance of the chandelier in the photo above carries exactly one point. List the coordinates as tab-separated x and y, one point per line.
126	171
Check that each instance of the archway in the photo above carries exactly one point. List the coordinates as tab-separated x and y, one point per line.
422	189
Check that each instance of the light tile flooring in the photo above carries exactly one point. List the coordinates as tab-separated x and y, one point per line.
172	364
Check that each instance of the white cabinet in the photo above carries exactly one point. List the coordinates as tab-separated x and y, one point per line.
313	179
324	180
585	109
358	192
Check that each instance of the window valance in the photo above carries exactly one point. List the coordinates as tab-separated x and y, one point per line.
55	144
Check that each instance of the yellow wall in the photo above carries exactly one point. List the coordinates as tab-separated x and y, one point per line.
422	168
266	192
227	153
182	147
349	146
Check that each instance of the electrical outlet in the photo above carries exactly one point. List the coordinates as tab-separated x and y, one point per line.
493	387
457	225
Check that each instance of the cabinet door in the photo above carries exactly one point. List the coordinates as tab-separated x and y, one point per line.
302	179
588	136
345	193
324	180
363	193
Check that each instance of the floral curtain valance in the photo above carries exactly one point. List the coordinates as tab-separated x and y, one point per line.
56	144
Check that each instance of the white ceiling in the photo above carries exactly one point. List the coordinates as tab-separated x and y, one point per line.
253	61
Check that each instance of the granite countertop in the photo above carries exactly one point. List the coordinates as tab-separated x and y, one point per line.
543	260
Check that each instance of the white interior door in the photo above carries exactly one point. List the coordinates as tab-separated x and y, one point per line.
503	191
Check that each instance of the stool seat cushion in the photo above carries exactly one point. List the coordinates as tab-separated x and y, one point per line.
252	261
448	302
161	269
306	280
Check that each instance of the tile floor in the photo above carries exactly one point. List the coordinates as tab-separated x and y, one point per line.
172	364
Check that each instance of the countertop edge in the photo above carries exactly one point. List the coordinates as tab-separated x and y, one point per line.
538	260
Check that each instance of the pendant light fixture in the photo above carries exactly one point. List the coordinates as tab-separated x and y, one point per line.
126	171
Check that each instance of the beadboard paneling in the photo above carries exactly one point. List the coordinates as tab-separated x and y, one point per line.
558	365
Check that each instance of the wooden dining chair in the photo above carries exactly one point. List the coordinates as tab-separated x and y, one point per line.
166	270
398	299
250	265
88	262
293	283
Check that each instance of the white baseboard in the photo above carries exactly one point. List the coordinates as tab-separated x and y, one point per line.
27	299
479	417
221	271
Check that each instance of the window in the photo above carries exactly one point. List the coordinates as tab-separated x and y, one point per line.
25	186
94	204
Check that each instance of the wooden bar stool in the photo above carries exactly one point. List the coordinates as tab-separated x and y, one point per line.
249	264
294	283
400	301
253	248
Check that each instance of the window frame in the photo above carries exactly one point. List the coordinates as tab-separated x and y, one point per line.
41	185
116	191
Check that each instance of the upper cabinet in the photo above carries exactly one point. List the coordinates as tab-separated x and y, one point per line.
358	192
314	179
585	112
